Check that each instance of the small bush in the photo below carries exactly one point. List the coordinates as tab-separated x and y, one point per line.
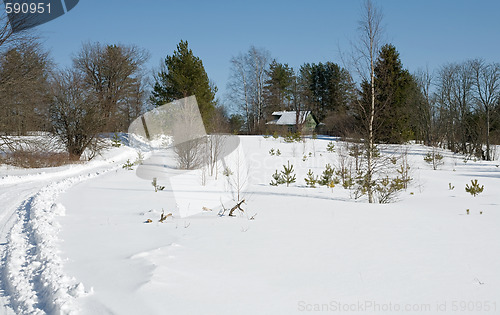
327	176
434	158
115	141
388	188
277	179
32	159
311	179
330	147
293	137
474	189
286	176
128	165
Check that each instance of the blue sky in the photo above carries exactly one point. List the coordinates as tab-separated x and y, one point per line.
425	32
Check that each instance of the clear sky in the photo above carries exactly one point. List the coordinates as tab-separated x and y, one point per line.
425	32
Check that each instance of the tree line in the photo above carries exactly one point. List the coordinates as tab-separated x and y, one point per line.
371	96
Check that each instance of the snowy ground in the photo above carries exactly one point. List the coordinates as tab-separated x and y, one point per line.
73	240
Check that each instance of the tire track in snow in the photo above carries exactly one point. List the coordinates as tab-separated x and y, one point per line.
32	276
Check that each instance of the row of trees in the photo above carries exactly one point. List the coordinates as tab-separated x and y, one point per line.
103	91
259	86
456	107
107	87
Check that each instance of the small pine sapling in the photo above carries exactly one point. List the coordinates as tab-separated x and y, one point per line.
474	189
288	174
404	172
115	141
330	147
388	188
311	179
434	158
128	165
278	152
271	152
277	179
450	186
327	176
139	159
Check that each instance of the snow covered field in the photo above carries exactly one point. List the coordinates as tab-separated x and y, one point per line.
74	240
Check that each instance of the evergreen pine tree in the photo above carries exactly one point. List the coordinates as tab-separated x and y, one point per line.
327	176
183	75
288	174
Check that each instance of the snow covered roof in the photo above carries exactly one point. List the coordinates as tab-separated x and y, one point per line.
289	117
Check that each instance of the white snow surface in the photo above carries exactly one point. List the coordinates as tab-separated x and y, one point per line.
78	242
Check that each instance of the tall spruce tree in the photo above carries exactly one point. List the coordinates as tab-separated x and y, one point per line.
183	75
395	94
278	88
328	87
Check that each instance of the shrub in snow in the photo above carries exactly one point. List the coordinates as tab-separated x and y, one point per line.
311	179
387	188
434	158
139	159
474	189
293	137
128	165
330	147
278	152
404	171
327	177
115	141
271	152
277	179
286	176
450	186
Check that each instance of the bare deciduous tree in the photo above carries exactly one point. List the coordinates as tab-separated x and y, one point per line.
246	86
487	92
75	114
455	99
425	113
24	71
115	74
238	87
